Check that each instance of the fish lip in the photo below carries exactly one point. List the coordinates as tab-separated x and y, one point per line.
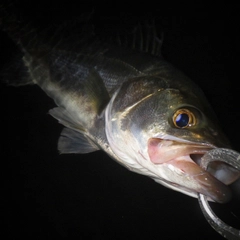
192	177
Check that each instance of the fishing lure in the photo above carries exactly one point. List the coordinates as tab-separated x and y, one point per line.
232	158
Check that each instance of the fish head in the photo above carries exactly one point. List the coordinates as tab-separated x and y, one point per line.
162	130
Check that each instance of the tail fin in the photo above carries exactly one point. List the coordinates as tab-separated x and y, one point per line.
13	71
33	38
12	22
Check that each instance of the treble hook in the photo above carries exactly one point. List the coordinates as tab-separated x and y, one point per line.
232	158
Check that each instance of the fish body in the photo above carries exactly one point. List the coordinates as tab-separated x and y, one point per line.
127	101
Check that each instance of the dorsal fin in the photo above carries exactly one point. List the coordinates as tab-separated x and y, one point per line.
143	38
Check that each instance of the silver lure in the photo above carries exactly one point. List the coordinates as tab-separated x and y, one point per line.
232	158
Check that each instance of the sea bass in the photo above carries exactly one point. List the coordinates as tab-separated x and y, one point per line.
126	100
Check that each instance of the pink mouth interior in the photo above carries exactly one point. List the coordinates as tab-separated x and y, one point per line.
186	158
162	151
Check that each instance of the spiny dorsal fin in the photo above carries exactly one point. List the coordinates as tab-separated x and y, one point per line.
72	141
143	38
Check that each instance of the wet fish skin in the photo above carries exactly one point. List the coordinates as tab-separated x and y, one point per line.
117	99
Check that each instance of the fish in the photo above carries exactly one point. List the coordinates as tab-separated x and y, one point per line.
123	98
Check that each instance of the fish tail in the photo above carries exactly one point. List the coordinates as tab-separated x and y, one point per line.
13	23
13	71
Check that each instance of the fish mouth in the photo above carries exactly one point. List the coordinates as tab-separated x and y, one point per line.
181	162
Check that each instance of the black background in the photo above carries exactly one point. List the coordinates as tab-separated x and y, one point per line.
47	195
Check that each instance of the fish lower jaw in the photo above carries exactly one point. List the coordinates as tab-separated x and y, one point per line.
181	167
190	179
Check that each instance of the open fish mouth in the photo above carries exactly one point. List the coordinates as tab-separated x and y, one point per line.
181	162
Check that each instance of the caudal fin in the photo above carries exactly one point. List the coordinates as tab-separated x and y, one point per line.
13	70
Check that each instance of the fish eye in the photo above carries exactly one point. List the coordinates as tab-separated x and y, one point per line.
183	118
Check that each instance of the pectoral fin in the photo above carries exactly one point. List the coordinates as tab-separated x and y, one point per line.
66	118
72	141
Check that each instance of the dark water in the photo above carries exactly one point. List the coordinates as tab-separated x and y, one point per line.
47	195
